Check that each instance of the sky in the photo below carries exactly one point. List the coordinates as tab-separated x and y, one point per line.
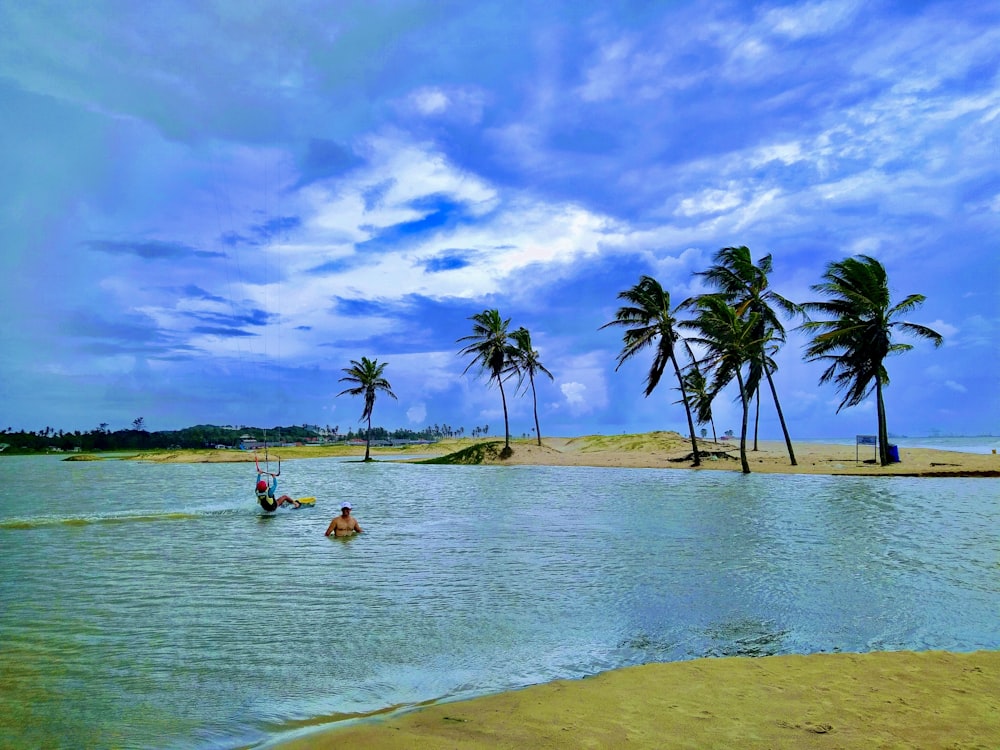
208	209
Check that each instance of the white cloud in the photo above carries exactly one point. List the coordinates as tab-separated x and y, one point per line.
810	19
574	393
429	100
584	389
453	103
710	201
958	387
417	414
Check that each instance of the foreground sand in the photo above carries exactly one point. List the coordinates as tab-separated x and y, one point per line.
876	700
653	450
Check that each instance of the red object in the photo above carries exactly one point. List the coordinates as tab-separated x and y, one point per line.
261	486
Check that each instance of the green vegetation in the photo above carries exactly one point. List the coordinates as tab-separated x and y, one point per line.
368	381
856	336
474	454
198	437
525	361
649	322
736	331
744	286
490	350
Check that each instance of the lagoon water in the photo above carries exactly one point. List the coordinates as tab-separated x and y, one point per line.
148	605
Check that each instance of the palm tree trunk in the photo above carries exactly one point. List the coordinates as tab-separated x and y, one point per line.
687	410
506	424
534	400
746	418
883	430
368	440
781	418
756	418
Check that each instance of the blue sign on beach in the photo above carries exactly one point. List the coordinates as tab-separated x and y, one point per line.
867	440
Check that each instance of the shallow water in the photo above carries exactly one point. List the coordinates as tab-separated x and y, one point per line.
154	605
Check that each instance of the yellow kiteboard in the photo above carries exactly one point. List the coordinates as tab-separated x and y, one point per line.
306	500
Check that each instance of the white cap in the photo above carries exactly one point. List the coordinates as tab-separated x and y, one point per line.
346	505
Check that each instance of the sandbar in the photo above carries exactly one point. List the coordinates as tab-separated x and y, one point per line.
653	450
903	699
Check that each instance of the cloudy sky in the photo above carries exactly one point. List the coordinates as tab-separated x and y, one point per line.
208	209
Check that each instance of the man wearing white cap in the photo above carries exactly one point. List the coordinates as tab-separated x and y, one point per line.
345	524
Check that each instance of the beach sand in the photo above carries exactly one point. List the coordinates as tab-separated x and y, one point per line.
654	450
877	700
670	450
844	701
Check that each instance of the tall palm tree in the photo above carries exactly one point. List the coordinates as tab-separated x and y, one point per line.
856	337
730	342
745	286
649	321
526	362
368	379
491	350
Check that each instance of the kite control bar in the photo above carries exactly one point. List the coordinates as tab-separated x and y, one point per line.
270	473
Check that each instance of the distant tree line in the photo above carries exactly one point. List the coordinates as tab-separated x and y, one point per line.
200	436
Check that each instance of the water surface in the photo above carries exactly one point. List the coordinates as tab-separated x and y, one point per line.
150	605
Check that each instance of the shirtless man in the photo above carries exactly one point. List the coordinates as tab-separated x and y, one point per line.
344	524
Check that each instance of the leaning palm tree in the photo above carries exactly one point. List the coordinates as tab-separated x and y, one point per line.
491	350
745	286
856	337
730	343
649	321
526	362
368	379
696	386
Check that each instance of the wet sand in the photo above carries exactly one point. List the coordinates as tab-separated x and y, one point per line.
847	701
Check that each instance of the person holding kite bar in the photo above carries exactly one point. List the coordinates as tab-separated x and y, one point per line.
265	493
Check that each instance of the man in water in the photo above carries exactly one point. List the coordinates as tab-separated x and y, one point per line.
345	524
265	494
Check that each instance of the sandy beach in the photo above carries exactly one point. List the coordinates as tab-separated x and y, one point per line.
878	700
654	450
883	700
663	450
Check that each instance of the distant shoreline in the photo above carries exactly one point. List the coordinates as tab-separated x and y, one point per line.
653	450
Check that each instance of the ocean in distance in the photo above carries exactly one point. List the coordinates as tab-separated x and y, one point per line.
982	444
155	605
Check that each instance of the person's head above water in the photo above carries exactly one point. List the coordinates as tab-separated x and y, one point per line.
261	486
346	506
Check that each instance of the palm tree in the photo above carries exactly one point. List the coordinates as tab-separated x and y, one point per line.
491	350
696	385
729	341
648	321
368	379
856	337
745	286
526	362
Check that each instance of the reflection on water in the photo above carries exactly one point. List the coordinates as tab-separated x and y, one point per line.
156	606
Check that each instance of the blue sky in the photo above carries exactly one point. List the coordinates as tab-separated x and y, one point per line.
208	209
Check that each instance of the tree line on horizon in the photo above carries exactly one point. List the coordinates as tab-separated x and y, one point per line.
729	334
102	438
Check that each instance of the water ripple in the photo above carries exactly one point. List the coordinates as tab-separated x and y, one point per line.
136	619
